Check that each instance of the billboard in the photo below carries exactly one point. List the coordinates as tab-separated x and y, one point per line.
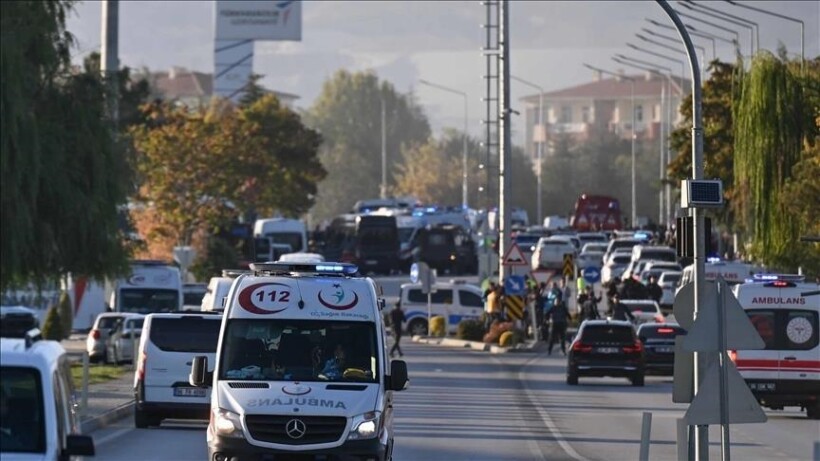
233	65
258	20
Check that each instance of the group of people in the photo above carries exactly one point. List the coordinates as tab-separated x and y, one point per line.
630	288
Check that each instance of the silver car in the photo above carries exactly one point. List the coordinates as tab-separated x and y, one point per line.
98	336
123	339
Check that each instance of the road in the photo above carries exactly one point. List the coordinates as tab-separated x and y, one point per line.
465	405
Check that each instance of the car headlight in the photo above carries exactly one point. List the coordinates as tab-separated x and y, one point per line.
366	426
227	423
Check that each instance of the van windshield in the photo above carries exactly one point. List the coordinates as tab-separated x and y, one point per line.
21	411
294	239
147	301
299	350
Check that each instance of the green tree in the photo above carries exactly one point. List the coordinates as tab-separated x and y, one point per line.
62	171
66	314
132	92
52	326
253	91
771	127
348	115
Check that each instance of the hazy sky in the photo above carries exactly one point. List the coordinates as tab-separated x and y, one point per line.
404	41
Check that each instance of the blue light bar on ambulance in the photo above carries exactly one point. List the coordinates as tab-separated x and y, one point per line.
641	235
780	277
306	268
713	259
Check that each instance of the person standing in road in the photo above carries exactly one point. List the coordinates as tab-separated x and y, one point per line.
654	290
566	291
558	332
493	307
589	308
620	311
396	321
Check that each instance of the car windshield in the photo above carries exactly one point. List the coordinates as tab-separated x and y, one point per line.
299	350
146	301
294	239
21	411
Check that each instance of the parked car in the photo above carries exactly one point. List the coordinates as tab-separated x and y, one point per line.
592	255
549	253
16	321
614	267
606	348
644	310
593	237
119	348
659	345
97	338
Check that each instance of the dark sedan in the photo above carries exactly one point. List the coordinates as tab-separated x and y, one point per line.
659	343
606	348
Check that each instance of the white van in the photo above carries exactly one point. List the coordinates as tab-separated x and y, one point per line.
733	272
301	366
168	344
285	231
455	301
215	294
153	286
785	310
37	397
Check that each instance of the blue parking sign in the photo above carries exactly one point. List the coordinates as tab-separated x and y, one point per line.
591	274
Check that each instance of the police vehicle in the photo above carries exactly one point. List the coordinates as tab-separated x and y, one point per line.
784	309
301	367
454	300
37	406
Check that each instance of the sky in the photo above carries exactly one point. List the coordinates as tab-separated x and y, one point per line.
405	41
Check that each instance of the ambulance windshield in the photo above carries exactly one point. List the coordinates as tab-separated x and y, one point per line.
299	350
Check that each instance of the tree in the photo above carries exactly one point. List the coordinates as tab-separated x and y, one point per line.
347	113
132	93
253	91
771	117
52	326
62	170
66	314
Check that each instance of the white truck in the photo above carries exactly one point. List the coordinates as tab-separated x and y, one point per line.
87	298
153	286
285	231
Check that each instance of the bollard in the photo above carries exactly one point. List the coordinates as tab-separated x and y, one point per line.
86	364
682	439
646	431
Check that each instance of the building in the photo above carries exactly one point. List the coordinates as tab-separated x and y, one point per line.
194	89
603	103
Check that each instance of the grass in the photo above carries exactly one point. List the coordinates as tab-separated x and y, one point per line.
96	373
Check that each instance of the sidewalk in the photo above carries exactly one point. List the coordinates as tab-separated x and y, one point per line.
107	402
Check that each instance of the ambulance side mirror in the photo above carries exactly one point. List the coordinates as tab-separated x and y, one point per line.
199	376
398	379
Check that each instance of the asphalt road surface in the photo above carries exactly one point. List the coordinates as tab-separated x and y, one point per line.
465	405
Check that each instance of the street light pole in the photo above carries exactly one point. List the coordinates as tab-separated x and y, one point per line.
725	29
539	145
632	132
717	14
464	187
788	18
109	57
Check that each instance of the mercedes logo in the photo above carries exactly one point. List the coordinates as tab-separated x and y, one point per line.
295	428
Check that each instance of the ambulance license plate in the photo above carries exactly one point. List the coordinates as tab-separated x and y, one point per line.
189	392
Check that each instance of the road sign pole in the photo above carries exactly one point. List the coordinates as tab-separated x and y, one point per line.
429	311
724	372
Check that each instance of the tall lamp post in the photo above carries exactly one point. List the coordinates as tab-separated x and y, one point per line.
698	33
675	40
730	18
718	26
632	133
778	15
670	48
539	146
464	201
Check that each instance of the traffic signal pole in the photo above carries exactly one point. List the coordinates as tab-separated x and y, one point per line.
504	141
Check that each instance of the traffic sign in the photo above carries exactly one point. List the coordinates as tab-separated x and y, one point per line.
591	274
515	257
704	334
742	405
569	266
514	306
684	305
414	273
515	285
542	276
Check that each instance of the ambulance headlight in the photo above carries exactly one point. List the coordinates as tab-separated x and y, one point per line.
366	426
227	423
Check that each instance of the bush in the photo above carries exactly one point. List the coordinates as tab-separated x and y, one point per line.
437	326
496	329
52	327
508	338
470	330
66	314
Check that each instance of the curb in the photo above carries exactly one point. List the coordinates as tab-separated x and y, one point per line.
94	423
528	346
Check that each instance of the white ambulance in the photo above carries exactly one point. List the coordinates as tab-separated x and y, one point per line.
301	366
785	310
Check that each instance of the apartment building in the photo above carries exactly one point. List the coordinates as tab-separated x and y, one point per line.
604	103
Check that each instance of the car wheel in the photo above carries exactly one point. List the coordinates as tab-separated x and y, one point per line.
813	411
417	327
143	420
637	380
572	377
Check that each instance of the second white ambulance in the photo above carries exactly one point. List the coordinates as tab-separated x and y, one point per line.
301	366
785	310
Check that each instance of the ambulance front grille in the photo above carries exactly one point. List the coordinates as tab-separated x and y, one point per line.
317	429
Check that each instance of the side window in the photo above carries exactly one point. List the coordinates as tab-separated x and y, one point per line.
470	299
59	409
764	322
442	297
416	296
801	330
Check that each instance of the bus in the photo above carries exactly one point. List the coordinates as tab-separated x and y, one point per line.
371	242
596	213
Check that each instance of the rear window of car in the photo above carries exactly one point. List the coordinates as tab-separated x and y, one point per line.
621	259
661	332
185	334
608	333
23	398
642	307
658	255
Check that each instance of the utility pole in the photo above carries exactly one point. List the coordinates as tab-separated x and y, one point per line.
109	57
383	193
504	140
